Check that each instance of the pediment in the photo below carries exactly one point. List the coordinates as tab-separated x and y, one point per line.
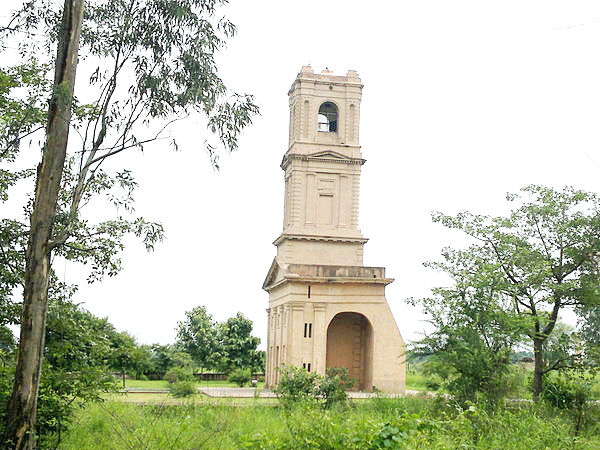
274	274
328	154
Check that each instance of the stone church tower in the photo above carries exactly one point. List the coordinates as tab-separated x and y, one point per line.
325	308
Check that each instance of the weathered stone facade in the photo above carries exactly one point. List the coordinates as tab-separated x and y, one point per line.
325	308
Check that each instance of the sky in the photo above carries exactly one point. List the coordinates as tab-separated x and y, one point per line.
463	101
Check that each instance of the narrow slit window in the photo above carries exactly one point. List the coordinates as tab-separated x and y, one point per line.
310	330
308	367
305	330
309	292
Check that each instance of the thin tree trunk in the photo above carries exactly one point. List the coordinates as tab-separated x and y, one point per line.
538	368
23	402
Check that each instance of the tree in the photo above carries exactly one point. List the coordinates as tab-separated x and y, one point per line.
475	328
544	257
238	346
165	357
23	402
77	347
163	50
222	346
197	335
589	332
123	347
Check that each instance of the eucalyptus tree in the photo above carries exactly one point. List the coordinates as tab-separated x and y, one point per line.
154	64
541	259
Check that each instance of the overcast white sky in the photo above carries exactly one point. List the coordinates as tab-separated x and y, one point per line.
463	102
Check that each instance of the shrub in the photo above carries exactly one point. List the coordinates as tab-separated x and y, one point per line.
240	376
570	390
176	374
181	389
296	384
332	388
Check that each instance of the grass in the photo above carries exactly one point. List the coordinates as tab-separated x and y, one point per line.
416	382
407	423
148	384
166	399
162	384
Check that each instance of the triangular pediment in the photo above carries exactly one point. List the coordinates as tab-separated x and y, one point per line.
328	154
272	274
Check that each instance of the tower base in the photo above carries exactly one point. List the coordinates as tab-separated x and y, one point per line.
334	316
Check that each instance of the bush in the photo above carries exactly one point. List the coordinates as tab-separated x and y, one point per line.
570	390
176	374
181	389
566	390
240	376
332	388
296	384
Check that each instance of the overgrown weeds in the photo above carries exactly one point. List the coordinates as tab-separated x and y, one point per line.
390	423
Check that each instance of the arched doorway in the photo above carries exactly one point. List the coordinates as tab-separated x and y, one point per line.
350	345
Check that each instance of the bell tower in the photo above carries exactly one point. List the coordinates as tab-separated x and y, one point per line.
322	171
325	308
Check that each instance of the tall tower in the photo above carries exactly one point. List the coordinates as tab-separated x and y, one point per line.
325	308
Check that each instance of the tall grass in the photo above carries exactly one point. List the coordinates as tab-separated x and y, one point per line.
407	423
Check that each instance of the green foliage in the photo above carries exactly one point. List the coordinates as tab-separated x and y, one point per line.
388	437
240	377
524	268
296	385
178	374
76	367
24	91
181	389
567	389
589	327
332	388
165	357
570	390
475	329
197	334
417	423
219	346
237	345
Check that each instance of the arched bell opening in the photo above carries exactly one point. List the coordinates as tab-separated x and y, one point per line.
350	345
327	120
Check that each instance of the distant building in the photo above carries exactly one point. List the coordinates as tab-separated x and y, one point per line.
325	308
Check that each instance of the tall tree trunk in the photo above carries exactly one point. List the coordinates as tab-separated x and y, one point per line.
538	368
23	402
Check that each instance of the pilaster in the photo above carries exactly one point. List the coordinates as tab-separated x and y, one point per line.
319	337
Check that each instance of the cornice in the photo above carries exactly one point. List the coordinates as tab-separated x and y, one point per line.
289	157
305	237
294	278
